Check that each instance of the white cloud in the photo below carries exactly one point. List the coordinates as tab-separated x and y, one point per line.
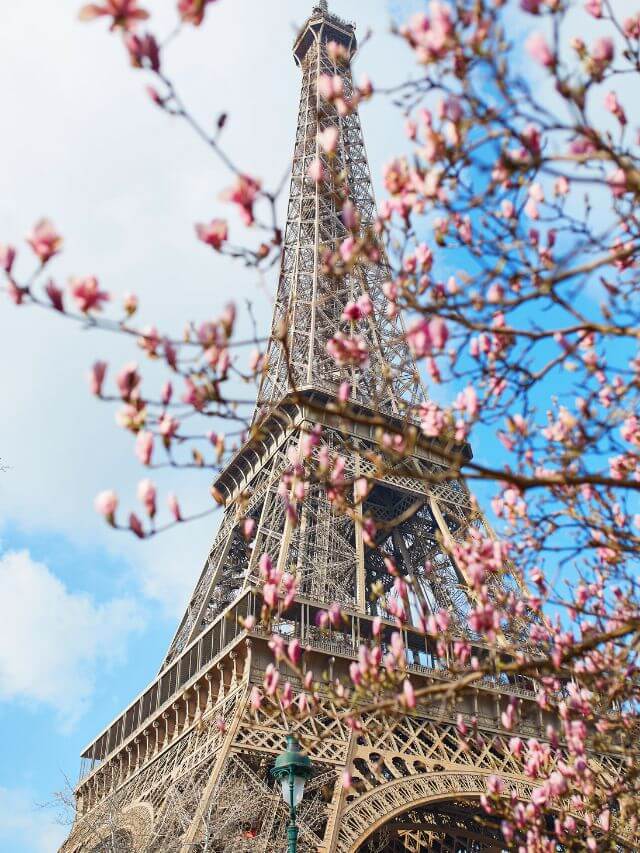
23	822
54	640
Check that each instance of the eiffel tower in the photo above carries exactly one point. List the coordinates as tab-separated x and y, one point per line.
190	755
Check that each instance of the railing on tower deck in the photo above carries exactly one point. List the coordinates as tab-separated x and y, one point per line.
227	630
199	656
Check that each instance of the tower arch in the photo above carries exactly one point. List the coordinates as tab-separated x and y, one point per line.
370	812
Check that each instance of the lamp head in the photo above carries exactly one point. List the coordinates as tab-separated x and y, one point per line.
292	764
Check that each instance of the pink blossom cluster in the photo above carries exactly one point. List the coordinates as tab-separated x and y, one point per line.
243	194
348	350
332	88
278	587
431	35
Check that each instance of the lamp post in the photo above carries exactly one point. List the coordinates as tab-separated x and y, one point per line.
292	769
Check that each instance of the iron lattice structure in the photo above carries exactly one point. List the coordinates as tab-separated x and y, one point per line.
155	778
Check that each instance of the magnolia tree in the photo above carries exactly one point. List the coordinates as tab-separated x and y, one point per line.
512	228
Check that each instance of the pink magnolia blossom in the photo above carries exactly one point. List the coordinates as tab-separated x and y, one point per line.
425	335
508	209
316	171
539	50
294	650
166	394
168	427
631	26
16	294
125	13
87	293
431	35
215	234
531	6
144	447
144	51
128	381
192	11
531	209
337	53
55	295
602	50
495	785
106	504
147	496
96	377
271	679
130	304
255	698
243	193
614	106
174	507
328	139
350	216
357	310
330	86
348	350
44	240
135	526
344	392
618	183
432	419
248	528
149	340
594	7
7	257
467	401
408	694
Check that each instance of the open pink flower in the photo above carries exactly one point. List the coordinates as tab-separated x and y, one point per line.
44	240
87	293
214	234
243	193
125	14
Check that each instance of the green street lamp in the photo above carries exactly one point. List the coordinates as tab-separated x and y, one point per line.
292	769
